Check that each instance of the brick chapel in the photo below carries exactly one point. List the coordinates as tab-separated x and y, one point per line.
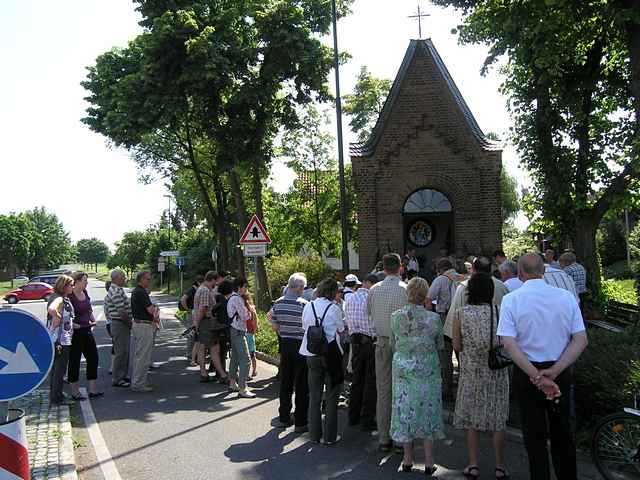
427	178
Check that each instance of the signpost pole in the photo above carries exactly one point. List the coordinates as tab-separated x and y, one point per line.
181	280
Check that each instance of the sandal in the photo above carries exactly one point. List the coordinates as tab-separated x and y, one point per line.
471	472
429	471
503	473
79	397
407	468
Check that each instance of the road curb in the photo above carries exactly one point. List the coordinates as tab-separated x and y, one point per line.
268	359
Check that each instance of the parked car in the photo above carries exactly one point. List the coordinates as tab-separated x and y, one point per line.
49	278
29	291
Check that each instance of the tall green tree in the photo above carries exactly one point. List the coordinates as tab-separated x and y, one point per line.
209	84
365	103
573	84
50	245
91	251
16	232
130	252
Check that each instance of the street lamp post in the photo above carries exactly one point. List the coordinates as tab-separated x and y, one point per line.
169	242
343	190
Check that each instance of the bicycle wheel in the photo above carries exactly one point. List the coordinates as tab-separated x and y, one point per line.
616	447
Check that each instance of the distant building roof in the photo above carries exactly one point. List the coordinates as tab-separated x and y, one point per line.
366	149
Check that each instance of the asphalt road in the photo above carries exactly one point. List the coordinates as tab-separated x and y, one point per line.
188	430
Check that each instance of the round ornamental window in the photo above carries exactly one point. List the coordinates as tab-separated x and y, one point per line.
421	233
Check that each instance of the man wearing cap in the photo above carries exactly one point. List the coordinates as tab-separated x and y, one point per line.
362	400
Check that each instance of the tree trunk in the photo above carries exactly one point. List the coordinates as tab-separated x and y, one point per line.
221	224
584	243
263	300
241	218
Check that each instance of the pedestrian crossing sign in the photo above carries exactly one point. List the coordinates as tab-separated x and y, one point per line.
255	233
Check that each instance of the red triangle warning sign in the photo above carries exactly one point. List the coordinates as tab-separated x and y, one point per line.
255	233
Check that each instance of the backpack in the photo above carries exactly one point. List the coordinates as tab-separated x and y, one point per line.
220	312
316	338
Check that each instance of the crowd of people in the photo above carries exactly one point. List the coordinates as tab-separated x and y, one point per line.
518	335
400	340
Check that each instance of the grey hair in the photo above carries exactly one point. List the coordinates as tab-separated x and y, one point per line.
115	272
140	276
531	264
297	280
568	257
509	266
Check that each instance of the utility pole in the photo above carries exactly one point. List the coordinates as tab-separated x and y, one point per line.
169	241
343	191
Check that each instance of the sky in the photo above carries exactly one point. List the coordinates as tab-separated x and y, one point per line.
49	158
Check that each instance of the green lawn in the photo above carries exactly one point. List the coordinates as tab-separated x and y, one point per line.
6	287
620	290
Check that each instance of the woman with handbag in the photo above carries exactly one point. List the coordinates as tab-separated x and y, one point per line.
60	324
482	402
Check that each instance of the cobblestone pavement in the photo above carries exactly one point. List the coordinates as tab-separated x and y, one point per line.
51	454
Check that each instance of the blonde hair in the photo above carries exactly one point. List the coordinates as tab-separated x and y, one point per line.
62	283
417	290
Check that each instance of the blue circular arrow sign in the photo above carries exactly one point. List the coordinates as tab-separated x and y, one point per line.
26	353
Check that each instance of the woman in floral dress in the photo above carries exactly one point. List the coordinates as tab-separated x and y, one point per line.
417	384
482	403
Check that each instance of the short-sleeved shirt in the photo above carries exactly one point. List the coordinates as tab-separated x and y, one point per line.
443	289
287	314
203	298
513	283
558	278
116	301
332	324
385	298
356	316
541	318
579	275
140	301
237	312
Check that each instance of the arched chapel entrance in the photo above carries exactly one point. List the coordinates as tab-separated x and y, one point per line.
428	224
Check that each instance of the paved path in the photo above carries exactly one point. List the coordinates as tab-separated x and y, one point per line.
188	430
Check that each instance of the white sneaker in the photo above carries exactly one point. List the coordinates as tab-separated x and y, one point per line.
246	394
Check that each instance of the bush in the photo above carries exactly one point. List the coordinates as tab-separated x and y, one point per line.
619	270
266	338
280	268
607	373
620	291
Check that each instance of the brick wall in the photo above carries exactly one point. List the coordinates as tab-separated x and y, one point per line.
426	143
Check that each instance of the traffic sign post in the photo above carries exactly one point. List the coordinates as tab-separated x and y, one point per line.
26	350
255	233
26	353
255	250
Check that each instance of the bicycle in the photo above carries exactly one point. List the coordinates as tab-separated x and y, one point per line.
615	446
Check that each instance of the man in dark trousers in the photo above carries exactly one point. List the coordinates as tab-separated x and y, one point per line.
286	319
542	328
363	396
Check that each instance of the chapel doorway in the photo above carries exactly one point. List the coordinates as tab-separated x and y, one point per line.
428	226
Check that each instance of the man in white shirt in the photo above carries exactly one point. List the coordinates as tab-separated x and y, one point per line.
542	329
509	275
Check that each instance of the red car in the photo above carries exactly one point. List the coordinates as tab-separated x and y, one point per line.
29	291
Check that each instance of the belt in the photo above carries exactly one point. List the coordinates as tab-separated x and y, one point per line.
139	320
362	339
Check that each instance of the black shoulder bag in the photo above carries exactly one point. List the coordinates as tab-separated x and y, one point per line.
498	358
316	339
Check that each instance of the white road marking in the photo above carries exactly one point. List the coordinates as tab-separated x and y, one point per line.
107	465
